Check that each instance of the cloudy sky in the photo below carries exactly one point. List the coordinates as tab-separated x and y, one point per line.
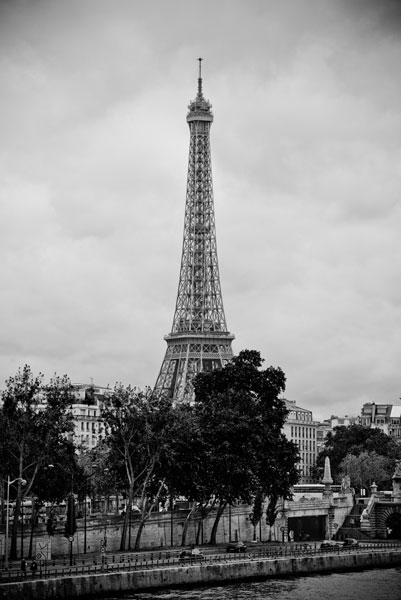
306	157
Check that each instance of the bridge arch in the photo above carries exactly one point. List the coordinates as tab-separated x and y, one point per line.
389	521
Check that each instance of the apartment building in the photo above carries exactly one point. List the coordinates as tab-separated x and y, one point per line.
86	412
386	417
301	429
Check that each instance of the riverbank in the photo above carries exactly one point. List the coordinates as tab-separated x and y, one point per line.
204	573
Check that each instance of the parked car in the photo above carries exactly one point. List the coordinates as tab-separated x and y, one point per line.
236	547
193	553
351	543
331	545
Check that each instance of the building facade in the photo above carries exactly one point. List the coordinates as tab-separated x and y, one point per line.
386	417
301	429
86	412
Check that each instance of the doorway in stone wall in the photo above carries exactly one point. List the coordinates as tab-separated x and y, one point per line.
393	526
307	528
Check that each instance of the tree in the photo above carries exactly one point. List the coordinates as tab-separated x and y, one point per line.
138	432
354	440
241	418
53	483
367	468
184	464
35	424
257	512
272	510
71	522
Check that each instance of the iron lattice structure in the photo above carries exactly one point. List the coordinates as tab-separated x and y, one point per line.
199	340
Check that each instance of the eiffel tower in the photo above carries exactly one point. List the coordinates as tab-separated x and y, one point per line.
199	340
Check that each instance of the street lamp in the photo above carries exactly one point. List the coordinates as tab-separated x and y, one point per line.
22	482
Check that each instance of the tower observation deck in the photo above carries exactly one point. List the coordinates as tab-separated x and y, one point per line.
199	340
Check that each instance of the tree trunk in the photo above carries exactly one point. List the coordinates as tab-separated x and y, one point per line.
35	511
3	501
14	530
220	511
199	529
191	513
125	528
128	507
139	533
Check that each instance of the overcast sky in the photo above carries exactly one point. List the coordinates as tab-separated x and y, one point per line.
306	160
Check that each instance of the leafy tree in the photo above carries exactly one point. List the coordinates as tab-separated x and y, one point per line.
241	418
354	439
367	468
96	478
272	510
257	512
53	483
138	426
185	467
35	426
71	522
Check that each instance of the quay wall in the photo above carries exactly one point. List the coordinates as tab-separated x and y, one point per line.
165	530
66	588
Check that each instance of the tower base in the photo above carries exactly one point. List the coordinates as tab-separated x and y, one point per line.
187	355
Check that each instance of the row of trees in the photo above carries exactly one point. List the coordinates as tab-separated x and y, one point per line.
366	455
225	448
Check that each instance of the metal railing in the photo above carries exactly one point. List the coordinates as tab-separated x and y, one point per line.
134	562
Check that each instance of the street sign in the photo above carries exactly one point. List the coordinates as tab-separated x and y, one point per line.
71	538
102	549
43	550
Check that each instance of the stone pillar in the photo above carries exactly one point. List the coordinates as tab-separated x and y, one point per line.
327	494
397	481
327	480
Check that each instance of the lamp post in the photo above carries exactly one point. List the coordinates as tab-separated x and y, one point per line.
22	482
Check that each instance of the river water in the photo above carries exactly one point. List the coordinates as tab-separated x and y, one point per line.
375	584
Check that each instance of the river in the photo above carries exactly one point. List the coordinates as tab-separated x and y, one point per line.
375	584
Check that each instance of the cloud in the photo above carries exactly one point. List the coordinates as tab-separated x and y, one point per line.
306	169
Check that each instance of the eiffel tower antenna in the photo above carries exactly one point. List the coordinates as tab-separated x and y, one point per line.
199	340
200	77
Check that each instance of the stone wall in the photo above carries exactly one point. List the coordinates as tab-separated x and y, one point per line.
114	583
164	530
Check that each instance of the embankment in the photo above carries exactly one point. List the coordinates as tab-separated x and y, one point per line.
63	588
